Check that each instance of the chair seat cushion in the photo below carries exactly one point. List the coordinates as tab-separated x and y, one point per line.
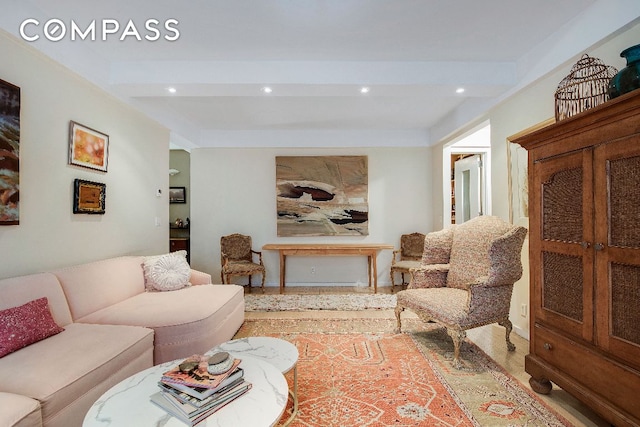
405	265
446	305
237	267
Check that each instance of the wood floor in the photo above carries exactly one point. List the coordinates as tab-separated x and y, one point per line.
489	338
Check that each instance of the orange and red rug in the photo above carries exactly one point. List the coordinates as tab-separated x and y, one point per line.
358	372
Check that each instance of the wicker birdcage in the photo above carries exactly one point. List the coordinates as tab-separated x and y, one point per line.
585	87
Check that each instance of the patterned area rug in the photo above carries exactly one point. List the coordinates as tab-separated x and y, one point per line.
344	302
358	372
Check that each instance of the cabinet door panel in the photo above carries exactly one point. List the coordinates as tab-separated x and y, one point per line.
561	218
617	192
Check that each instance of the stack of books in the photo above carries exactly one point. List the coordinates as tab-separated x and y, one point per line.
191	393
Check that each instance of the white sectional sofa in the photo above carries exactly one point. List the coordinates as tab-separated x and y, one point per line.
113	328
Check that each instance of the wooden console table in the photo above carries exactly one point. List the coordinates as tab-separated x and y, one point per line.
370	250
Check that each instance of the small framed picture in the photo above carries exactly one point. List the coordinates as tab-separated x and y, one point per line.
177	195
88	197
88	147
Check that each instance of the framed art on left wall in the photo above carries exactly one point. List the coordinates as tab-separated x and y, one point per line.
88	197
88	147
9	153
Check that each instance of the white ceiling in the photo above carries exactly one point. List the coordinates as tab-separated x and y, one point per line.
317	54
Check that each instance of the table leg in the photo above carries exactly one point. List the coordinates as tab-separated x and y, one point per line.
375	272
369	268
283	261
294	397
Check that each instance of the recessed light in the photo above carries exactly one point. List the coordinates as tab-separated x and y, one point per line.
364	89
460	90
172	89
267	89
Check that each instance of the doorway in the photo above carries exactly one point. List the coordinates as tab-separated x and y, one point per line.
468	188
467	176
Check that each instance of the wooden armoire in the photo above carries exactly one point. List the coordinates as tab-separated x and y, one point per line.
584	218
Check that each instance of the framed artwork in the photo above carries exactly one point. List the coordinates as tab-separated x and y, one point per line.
322	196
177	195
518	180
88	197
9	154
88	147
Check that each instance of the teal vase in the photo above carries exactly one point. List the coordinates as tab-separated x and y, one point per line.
628	78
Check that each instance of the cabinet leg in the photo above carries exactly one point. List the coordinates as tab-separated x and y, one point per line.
542	385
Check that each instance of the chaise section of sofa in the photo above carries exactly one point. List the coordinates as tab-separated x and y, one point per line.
19	411
186	321
65	373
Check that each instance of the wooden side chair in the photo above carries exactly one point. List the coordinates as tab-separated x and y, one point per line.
466	278
407	257
237	258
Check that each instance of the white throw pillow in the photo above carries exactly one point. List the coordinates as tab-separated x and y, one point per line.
167	272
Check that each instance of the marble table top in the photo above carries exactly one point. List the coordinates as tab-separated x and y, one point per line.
280	353
127	403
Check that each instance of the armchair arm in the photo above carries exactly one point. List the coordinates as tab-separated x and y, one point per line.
428	276
259	253
394	255
489	302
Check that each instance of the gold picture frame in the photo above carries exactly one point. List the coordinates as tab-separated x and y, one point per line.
517	166
88	147
88	197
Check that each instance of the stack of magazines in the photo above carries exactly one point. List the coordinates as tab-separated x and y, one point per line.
200	386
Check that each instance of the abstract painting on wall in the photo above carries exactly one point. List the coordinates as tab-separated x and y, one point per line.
9	153
322	196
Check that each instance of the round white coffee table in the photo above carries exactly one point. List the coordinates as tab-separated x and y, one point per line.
127	403
280	353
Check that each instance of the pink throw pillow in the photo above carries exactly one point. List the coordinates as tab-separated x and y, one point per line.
26	324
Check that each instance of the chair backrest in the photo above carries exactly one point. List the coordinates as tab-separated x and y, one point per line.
476	247
237	247
411	246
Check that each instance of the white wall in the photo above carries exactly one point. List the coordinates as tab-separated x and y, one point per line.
234	190
527	108
49	234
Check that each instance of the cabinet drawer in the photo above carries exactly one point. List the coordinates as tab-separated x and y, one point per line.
589	367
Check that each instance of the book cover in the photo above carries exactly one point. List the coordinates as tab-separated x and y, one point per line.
188	396
202	393
193	411
162	400
199	377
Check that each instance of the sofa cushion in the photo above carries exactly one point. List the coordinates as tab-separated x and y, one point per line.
26	324
168	272
187	321
73	363
96	285
19	411
16	291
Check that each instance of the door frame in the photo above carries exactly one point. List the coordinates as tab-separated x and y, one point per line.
461	146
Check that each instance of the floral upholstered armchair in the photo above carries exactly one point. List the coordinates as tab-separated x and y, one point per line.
237	258
466	278
407	257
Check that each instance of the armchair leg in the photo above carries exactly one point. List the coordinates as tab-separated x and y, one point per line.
263	274
392	281
399	309
222	277
457	336
509	327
